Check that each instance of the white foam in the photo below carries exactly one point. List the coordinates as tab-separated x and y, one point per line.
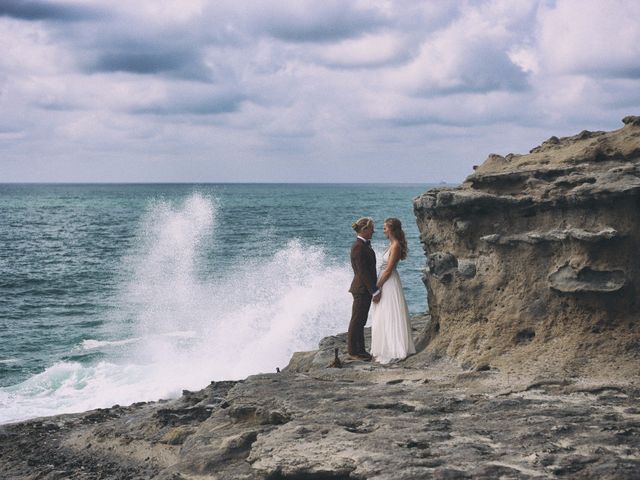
184	328
184	334
8	361
91	344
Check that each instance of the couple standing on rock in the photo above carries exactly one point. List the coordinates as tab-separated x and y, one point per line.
390	326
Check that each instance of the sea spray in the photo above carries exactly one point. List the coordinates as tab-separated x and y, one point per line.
180	323
163	287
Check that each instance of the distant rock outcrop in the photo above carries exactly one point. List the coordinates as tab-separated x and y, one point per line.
533	261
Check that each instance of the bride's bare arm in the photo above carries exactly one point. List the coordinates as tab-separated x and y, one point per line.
394	258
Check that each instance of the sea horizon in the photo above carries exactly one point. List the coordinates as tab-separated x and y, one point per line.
431	183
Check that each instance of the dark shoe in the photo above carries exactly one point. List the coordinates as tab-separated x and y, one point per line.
360	356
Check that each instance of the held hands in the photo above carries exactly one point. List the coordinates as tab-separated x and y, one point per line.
376	298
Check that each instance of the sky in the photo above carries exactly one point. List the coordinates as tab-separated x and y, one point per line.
303	90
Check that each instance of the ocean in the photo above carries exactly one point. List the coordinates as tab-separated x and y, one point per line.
113	294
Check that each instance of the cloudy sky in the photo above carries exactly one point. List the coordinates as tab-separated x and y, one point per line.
303	90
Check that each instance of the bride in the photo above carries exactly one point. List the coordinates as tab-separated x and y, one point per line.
390	327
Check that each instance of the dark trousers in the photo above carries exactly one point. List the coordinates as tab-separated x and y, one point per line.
359	313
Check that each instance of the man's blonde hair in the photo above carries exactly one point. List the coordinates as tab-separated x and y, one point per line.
361	224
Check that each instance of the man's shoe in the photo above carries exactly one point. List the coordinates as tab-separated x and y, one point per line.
360	356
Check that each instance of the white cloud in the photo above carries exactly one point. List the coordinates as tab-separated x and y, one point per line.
371	50
161	12
27	49
590	37
469	54
269	90
525	58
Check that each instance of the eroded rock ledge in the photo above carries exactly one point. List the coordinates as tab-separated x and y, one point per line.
533	259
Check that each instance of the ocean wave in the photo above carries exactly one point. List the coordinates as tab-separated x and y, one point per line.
176	328
9	361
91	344
69	387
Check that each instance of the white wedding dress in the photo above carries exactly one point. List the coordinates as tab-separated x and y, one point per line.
390	326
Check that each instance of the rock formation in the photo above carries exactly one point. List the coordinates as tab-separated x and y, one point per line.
364	421
533	261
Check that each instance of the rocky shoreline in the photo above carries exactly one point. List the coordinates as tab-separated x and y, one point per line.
424	417
526	366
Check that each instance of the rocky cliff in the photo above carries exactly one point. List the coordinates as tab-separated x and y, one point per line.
533	261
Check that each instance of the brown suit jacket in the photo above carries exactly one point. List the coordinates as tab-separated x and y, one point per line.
363	262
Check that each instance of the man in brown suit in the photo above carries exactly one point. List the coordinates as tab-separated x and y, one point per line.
363	287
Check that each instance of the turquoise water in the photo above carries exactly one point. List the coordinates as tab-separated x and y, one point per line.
121	293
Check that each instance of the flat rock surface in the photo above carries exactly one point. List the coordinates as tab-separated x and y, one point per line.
420	418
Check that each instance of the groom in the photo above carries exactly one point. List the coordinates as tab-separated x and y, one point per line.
363	287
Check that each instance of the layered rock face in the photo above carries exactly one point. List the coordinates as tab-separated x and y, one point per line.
533	261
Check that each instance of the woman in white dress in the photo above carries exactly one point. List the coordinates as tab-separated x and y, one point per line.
390	326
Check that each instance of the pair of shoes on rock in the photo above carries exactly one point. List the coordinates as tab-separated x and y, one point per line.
361	356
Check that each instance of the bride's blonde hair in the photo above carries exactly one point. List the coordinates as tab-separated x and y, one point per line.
395	226
361	224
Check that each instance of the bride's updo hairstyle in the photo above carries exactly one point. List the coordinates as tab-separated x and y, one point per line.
395	227
361	224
